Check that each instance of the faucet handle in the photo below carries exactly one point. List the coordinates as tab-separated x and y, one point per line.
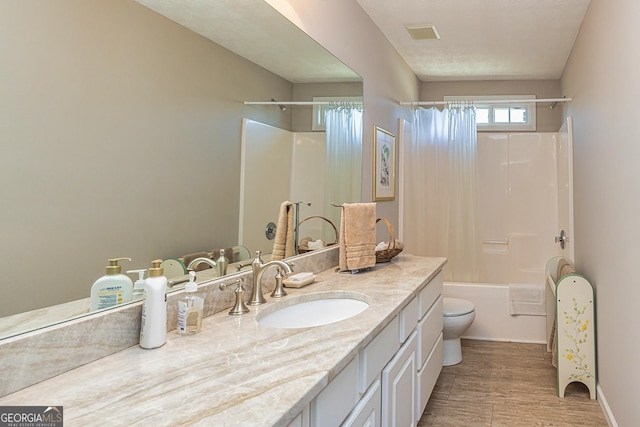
257	258
239	307
279	291
239	267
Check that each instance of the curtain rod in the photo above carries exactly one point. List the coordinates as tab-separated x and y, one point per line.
301	102
488	101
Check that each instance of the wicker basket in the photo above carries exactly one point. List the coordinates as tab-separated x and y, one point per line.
304	249
386	255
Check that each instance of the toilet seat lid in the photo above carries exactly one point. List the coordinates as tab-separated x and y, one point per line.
456	307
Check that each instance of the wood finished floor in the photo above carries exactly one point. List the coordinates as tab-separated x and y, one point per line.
507	385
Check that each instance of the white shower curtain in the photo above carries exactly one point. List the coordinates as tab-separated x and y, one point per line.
440	189
343	158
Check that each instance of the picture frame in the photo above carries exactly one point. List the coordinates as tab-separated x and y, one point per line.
384	164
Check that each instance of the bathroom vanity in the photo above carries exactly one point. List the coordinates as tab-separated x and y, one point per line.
378	365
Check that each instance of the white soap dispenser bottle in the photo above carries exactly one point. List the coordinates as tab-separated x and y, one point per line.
153	326
190	308
138	285
111	289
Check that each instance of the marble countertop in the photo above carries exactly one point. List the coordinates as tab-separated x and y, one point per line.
236	371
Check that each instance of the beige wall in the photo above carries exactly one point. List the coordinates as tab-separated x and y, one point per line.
120	137
121	95
548	120
346	31
602	78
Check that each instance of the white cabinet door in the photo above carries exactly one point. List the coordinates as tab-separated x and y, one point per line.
302	420
427	377
368	411
337	399
399	379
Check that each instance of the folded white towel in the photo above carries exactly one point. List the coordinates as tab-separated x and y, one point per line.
527	299
315	244
382	246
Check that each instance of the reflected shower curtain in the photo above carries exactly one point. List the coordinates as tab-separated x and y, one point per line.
343	158
440	189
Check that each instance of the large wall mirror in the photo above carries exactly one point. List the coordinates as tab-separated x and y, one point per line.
121	134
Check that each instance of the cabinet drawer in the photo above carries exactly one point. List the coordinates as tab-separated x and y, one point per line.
302	420
428	375
337	399
297	422
430	293
367	412
408	319
429	329
377	353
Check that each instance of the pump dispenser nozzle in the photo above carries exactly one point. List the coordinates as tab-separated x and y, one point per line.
113	267
156	270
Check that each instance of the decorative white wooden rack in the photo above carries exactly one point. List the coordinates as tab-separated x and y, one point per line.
570	308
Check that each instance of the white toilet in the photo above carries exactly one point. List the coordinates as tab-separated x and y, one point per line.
458	316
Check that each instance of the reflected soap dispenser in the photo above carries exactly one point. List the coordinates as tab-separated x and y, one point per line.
190	308
153	326
111	289
138	285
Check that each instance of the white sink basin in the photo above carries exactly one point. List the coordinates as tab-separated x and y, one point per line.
311	310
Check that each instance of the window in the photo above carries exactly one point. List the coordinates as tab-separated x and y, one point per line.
502	116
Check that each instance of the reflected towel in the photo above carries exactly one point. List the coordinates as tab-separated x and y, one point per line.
284	243
357	236
527	299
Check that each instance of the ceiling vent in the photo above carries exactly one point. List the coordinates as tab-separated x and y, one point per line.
423	32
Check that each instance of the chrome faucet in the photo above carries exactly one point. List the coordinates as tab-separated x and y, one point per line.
199	260
259	268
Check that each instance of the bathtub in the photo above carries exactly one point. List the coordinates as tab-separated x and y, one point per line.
493	321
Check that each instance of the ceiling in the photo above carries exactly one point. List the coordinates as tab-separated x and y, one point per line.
256	31
479	39
482	39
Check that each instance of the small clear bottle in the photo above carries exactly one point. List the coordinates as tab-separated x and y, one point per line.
222	263
190	308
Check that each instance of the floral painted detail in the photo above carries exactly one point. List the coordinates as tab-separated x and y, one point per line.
578	334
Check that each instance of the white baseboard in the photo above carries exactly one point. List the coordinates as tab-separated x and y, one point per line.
606	410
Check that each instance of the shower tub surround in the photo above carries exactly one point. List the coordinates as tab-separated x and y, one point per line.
236	371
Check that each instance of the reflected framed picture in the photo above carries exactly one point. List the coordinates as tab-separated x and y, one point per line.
384	164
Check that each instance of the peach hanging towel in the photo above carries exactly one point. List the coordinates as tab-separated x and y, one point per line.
357	236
